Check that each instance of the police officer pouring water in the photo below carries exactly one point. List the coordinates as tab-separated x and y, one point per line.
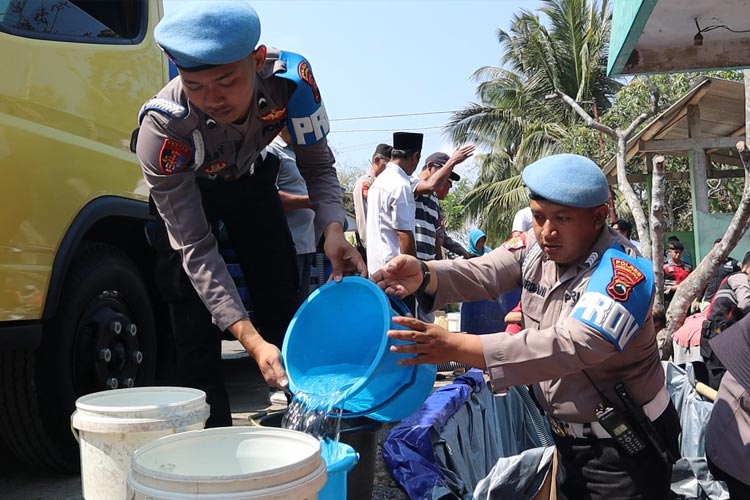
588	344
201	147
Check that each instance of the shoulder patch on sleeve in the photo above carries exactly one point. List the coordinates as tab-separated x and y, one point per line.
617	298
274	115
515	242
306	115
165	107
174	156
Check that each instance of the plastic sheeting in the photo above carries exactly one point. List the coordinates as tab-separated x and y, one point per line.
446	448
690	476
464	443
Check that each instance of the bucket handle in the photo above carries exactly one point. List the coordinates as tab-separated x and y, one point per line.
399	306
75	432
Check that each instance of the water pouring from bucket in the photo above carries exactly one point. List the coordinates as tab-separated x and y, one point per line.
337	354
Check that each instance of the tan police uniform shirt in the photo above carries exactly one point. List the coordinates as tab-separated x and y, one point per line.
216	151
554	349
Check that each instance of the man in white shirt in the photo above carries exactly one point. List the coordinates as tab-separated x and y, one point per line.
521	222
390	204
379	160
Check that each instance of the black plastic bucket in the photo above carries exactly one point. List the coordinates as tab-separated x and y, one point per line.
361	433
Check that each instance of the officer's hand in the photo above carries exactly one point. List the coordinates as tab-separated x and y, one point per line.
345	259
266	355
401	276
268	358
431	343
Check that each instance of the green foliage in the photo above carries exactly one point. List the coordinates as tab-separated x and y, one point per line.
453	207
562	47
348	175
514	121
633	100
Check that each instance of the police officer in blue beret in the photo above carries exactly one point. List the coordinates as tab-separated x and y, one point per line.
201	146
588	343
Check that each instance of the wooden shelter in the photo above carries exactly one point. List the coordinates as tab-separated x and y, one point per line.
704	125
664	36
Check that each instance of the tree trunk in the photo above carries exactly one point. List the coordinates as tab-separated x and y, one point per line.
629	193
657	229
696	281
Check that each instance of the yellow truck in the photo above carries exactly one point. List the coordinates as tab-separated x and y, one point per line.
78	309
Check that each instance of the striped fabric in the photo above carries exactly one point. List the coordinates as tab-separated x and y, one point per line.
427	221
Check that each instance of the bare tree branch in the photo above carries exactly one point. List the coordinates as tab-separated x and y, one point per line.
590	122
654	92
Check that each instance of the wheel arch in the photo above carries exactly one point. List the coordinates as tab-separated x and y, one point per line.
107	219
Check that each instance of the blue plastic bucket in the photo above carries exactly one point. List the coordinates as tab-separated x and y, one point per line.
337	342
340	458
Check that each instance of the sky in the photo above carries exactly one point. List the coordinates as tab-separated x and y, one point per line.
380	58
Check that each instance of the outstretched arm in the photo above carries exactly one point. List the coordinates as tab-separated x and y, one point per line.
431	184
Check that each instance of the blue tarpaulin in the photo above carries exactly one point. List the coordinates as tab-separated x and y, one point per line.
453	442
465	443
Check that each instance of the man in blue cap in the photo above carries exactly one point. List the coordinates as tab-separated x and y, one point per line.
588	343
201	145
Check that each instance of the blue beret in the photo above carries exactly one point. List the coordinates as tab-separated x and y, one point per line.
200	35
567	179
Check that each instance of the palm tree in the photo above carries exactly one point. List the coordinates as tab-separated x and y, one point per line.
513	121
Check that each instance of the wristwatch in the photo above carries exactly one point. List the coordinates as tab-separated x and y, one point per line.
426	275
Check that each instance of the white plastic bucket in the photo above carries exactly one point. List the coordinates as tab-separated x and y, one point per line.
111	425
232	463
454	321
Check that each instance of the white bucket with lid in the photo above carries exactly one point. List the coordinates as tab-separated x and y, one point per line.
232	463
111	425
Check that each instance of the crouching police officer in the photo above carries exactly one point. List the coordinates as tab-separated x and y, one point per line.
201	148
589	343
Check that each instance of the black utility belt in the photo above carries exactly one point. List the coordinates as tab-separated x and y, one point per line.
629	425
576	430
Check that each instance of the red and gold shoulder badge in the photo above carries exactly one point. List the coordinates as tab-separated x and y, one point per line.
515	242
174	156
625	277
305	72
215	167
274	115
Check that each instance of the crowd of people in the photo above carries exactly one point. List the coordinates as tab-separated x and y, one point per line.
238	140
399	212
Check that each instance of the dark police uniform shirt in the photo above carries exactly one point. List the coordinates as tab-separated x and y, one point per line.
555	347
178	143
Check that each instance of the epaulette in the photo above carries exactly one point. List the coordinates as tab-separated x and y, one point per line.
163	106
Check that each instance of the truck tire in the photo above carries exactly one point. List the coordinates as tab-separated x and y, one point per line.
102	338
